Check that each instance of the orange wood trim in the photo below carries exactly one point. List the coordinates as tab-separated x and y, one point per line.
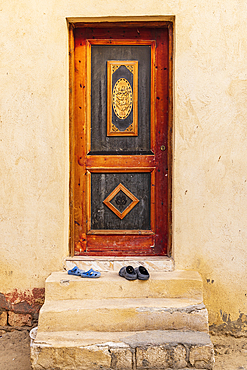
135	100
72	134
109	98
78	189
123	23
170	139
125	244
125	161
88	201
82	144
118	169
152	201
121	232
88	106
129	194
110	131
153	97
120	42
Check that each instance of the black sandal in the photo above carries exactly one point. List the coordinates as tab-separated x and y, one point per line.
128	273
142	273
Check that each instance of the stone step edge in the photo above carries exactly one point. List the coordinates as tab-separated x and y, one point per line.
172	305
176	275
121	317
131	351
177	284
122	339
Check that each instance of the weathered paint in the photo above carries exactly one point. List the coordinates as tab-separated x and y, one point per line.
210	133
237	328
23	302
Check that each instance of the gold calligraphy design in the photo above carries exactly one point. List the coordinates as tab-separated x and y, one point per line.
130	128
114	128
114	68
122	98
130	68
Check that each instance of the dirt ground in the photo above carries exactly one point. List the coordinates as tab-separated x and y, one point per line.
230	353
15	350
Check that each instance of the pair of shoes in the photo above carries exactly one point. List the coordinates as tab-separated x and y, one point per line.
84	274
130	273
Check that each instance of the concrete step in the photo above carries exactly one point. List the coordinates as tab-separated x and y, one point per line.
176	284
147	350
123	314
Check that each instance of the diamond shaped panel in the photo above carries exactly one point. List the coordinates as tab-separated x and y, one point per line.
121	201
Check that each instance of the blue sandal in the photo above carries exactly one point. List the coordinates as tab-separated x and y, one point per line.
75	271
90	274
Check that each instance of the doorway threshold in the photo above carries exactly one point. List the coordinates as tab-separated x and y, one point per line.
108	263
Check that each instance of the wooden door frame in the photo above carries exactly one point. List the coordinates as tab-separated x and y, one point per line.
75	196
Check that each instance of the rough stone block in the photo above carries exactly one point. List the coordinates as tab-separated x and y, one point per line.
19	319
149	350
3	318
122	359
202	357
4	304
152	358
161	357
79	358
178	357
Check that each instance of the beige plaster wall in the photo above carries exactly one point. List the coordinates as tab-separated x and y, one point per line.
210	132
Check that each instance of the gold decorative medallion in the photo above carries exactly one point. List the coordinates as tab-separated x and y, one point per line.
122	98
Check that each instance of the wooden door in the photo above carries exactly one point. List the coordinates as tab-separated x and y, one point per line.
120	137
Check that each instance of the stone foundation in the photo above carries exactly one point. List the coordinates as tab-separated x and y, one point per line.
150	350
